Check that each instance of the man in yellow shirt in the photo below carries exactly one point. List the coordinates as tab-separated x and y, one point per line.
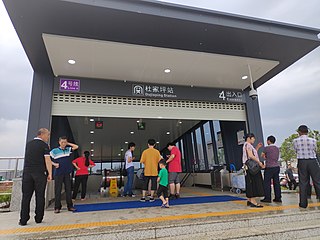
150	158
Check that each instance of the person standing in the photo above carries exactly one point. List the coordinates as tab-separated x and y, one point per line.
308	164
174	162
290	178
271	172
82	164
62	155
254	182
37	171
163	184
150	158
128	157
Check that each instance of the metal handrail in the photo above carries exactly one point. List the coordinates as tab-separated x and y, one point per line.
10	169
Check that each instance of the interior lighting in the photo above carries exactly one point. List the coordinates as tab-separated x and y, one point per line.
131	132
71	61
125	142
92	132
121	149
168	133
92	142
244	77
167	70
91	120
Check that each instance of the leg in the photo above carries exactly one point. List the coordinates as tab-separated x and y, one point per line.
267	184
84	181
67	187
130	180
159	193
172	183
76	187
290	182
145	187
295	184
153	186
40	190
172	188
276	184
304	182
315	175
27	192
58	180
177	182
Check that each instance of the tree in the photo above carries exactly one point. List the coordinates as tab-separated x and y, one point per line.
288	153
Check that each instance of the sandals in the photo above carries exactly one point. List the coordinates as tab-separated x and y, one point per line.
250	204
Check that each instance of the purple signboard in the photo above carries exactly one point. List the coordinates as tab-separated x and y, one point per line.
69	85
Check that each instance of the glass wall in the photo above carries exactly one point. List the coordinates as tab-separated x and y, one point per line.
200	149
219	143
209	145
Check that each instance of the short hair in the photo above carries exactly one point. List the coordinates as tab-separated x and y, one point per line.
170	144
272	139
163	162
42	131
248	135
132	144
63	138
152	142
303	129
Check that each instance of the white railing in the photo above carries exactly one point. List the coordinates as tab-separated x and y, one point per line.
11	167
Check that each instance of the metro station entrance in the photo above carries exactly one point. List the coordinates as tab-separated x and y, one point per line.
205	132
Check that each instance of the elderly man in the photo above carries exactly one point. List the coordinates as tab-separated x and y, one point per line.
308	165
37	171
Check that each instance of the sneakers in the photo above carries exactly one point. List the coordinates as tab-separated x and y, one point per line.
171	197
177	195
151	200
165	205
143	199
57	211
132	195
22	223
71	209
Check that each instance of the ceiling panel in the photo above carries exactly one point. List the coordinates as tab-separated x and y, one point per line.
120	61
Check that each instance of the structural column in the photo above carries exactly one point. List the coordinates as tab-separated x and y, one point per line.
41	103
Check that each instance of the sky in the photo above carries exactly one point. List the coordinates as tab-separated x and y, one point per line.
289	99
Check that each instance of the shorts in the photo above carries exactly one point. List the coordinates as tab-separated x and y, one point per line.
153	183
174	177
162	190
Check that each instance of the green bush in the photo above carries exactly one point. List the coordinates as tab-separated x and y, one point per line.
5	198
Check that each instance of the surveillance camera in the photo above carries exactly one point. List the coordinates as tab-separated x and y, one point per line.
253	94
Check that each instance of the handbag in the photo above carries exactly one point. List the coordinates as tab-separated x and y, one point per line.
253	167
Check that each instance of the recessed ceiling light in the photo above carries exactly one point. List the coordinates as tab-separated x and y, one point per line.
158	142
244	77
92	142
138	121
91	120
191	86
180	122
131	132
71	61
92	150
121	149
119	154
168	133
125	142
167	70
92	155
92	132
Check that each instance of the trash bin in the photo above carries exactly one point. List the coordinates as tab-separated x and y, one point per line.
216	182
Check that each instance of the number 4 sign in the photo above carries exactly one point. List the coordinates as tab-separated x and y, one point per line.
69	85
222	95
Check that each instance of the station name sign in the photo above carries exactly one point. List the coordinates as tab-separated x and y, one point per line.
148	90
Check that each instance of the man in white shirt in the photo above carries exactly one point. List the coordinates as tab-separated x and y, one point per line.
128	157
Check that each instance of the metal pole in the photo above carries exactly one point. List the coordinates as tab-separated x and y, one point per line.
16	168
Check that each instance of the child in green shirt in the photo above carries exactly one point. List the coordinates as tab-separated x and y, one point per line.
163	184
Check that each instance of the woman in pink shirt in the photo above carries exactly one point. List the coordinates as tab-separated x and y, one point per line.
254	182
82	164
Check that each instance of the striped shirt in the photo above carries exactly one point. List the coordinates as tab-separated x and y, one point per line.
305	147
63	157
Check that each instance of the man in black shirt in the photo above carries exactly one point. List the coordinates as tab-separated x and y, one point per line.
37	171
290	178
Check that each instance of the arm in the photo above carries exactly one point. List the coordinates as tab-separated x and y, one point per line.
56	165
142	160
172	156
76	166
158	180
130	159
92	164
251	156
73	146
259	145
263	155
48	166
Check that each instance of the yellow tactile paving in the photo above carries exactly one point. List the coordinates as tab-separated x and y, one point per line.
148	220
